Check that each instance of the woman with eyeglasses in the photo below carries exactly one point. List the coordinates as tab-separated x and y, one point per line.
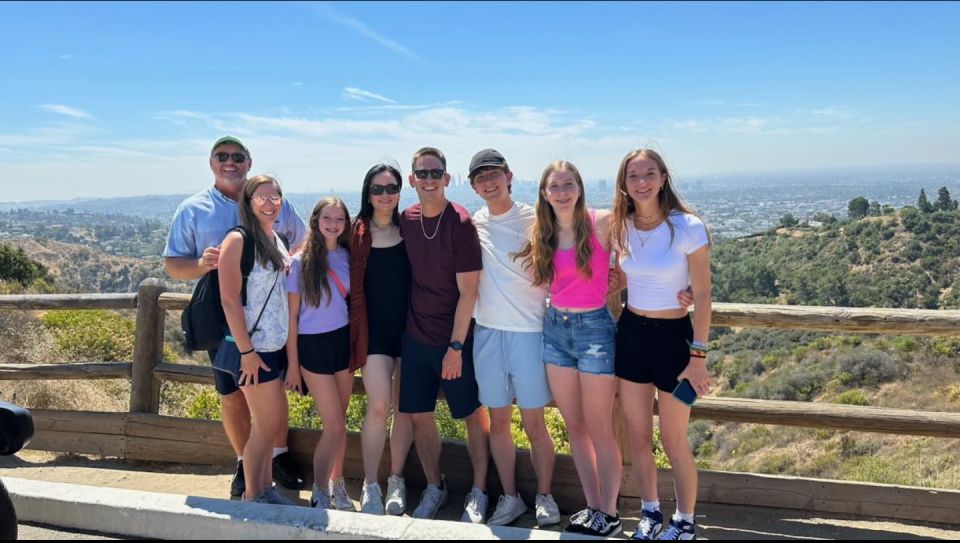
256	313
318	345
379	301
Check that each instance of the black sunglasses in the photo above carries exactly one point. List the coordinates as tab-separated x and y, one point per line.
435	173
378	190
238	158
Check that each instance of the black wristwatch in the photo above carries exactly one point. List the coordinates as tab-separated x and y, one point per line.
456	346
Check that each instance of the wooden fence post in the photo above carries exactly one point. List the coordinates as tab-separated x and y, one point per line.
148	350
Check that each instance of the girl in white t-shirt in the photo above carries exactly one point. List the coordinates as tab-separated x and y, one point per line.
663	247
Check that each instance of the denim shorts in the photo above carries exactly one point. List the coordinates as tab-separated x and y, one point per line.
584	341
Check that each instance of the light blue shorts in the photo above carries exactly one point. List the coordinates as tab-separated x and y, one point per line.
581	341
509	365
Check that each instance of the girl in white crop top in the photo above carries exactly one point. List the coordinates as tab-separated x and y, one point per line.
662	248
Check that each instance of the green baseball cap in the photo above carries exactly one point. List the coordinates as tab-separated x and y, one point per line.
229	139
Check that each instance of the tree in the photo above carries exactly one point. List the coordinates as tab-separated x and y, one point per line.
858	208
875	209
923	204
789	220
944	203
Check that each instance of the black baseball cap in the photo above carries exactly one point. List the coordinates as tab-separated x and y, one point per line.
486	159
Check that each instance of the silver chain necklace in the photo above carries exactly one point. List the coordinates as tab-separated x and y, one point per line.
437	229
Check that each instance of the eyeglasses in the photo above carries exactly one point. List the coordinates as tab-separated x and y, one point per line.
238	158
378	190
262	198
435	173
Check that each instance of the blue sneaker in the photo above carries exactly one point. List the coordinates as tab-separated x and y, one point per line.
679	530
651	522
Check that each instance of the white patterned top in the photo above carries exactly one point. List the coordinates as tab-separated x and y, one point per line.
271	332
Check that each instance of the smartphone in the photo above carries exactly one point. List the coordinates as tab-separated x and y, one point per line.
685	393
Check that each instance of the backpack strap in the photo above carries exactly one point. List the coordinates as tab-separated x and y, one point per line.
246	259
336	279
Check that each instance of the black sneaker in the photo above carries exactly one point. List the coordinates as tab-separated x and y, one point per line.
580	520
603	525
286	472
238	485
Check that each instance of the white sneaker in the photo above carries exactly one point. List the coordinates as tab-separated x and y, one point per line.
396	495
338	491
320	499
431	501
475	507
547	511
371	499
509	509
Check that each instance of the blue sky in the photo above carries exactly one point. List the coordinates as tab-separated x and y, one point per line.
110	99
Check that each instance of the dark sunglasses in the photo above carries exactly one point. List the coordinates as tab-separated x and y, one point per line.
238	158
378	190
435	173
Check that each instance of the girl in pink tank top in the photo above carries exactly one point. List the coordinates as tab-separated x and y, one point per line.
570	253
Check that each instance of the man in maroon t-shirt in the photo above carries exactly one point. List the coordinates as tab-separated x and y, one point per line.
445	261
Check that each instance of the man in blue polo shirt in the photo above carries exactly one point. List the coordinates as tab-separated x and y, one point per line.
193	248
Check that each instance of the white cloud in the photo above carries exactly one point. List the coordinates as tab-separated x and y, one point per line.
329	12
61	109
353	93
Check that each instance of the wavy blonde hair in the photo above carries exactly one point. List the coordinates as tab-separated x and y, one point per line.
538	254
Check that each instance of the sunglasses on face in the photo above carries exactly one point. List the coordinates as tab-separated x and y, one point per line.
262	198
435	173
378	190
238	158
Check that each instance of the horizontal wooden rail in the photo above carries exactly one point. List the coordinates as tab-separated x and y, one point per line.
930	322
69	301
71	370
785	413
826	319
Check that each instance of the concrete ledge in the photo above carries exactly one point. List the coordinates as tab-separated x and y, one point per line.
171	516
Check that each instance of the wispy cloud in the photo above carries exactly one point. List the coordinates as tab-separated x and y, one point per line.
296	84
66	56
353	93
331	13
61	109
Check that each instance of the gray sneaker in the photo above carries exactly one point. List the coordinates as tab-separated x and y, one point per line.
320	499
396	496
475	507
431	501
547	511
509	509
371	501
271	496
338	492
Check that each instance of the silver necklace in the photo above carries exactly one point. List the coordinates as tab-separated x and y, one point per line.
643	239
437	229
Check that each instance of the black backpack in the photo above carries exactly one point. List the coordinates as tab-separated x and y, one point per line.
203	321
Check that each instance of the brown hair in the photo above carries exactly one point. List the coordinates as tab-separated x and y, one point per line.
315	266
265	245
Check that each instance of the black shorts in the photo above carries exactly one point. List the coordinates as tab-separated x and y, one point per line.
327	353
652	350
225	383
420	380
385	339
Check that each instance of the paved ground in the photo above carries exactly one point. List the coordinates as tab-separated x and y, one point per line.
715	521
41	532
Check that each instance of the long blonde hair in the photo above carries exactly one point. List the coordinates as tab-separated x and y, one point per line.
314	280
623	206
537	255
265	244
